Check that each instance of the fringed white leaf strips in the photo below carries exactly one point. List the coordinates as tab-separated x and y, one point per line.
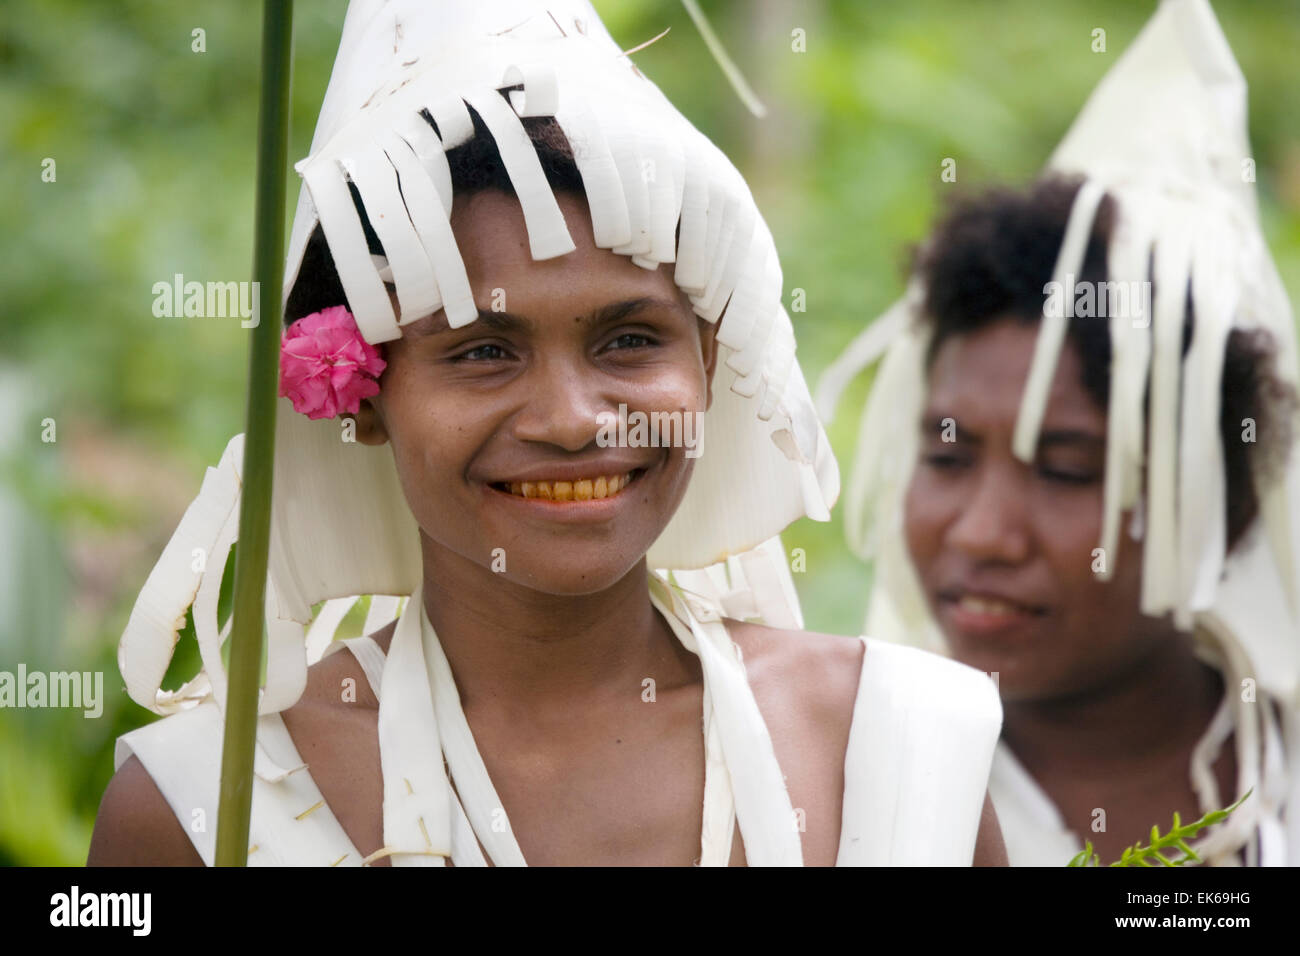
151	633
777	368
1051	335
763	808
483	807
719	204
324	178
624	140
417	797
325	625
1160	553
600	178
666	184
286	664
548	236
429	218
1128	256
383	610
887	437
415	130
455	126
540	95
753	307
691	273
718	826
734	248
208	629
865	349
376	179
1202	479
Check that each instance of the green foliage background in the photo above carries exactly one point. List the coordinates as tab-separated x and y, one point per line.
154	146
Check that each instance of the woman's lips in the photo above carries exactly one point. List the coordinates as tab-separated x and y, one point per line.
582	489
983	615
596	498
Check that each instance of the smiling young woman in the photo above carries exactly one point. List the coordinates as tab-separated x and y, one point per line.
550	652
551	692
1104	704
1088	397
517	395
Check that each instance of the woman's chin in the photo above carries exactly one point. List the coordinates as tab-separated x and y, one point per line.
1013	678
567	579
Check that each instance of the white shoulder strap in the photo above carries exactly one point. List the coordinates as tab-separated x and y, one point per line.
759	796
371	658
290	826
1032	827
368	654
182	753
920	746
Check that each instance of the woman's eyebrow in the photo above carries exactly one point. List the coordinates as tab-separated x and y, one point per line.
1071	436
500	321
616	311
935	424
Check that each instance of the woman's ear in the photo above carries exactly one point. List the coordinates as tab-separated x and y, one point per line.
370	429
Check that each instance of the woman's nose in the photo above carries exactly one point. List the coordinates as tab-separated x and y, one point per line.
992	524
563	405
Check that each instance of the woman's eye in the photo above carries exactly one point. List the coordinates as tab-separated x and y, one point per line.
631	340
943	459
480	353
1069	477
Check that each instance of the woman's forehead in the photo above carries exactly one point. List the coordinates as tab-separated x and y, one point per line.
493	240
978	378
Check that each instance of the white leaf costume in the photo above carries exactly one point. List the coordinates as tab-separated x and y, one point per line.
341	526
1165	134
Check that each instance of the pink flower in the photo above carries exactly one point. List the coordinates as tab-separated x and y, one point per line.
326	366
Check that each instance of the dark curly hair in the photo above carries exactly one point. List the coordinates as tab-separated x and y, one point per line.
991	256
475	166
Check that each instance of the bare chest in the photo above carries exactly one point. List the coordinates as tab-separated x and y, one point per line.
1118	810
624	787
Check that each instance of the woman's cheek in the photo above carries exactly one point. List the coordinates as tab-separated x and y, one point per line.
921	525
1069	532
672	389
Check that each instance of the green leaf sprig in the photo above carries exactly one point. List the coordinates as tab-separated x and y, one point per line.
1176	839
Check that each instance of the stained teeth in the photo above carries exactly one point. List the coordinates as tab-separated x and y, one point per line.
584	489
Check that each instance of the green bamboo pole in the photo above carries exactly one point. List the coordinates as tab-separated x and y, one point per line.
234	809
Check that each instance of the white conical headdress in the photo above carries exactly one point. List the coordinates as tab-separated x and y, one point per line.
1165	134
340	523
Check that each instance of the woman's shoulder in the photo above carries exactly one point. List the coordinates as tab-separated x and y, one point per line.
906	737
339	677
136	826
160	805
827	673
802	676
805	685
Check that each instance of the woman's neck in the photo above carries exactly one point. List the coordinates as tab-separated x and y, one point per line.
530	651
1156	710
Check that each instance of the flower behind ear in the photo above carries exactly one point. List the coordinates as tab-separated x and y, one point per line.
326	366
